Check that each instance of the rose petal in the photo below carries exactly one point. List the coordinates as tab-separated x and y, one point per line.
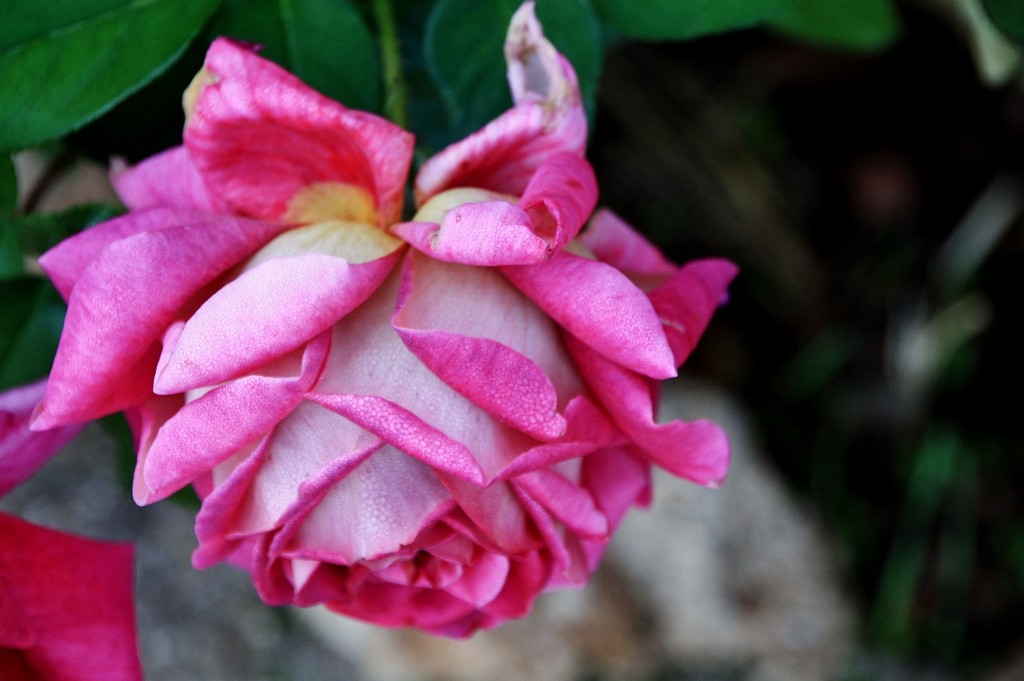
23	452
304	139
696	450
613	241
686	302
124	301
498	361
265	313
169	179
67	261
210	429
76	597
598	305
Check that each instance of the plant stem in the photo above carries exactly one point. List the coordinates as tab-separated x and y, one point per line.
395	104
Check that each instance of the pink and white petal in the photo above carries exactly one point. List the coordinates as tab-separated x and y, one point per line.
613	241
405	431
686	302
217	527
377	382
306	443
598	305
22	451
486	234
486	358
363	511
305	138
212	428
169	179
66	262
547	118
75	595
618	480
694	450
266	312
560	197
123	302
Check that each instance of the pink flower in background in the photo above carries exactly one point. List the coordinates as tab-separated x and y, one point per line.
66	610
22	451
420	423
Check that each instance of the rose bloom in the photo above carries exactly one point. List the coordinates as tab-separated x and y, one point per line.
420	423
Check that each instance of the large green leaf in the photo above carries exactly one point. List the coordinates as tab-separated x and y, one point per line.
1008	16
31	319
324	42
65	62
464	52
846	24
684	19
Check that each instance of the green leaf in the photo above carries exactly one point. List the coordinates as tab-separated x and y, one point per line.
464	53
684	19
31	319
8	187
1008	16
324	42
845	24
65	62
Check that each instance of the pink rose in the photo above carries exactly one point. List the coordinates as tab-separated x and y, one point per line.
420	423
23	451
65	607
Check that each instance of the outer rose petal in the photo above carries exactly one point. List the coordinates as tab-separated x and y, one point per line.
265	313
72	596
66	262
548	118
124	301
696	450
686	302
613	241
599	305
22	451
169	179
304	139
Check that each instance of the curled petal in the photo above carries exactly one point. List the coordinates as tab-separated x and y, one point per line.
548	118
695	450
569	503
686	302
477	227
210	429
124	301
598	305
265	313
169	179
305	140
560	196
487	234
23	452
